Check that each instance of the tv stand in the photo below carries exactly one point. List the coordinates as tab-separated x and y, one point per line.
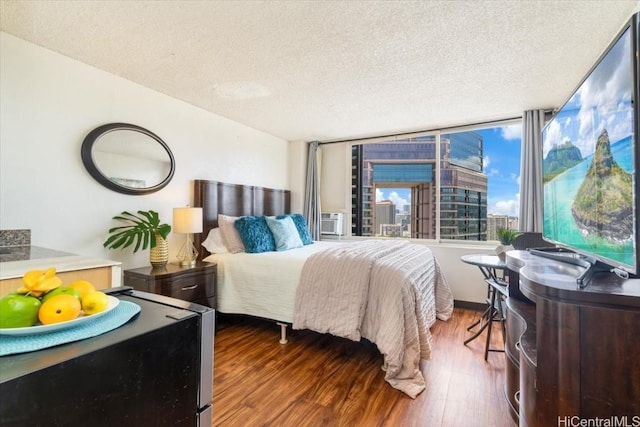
584	340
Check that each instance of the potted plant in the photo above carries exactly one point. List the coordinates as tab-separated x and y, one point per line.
506	236
143	229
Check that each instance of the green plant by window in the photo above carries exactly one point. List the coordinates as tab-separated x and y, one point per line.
140	229
507	236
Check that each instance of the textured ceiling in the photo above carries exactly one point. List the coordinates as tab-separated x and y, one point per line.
326	70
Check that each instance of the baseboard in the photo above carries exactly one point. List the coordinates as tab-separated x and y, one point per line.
468	305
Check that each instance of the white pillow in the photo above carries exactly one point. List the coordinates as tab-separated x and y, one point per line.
214	243
230	235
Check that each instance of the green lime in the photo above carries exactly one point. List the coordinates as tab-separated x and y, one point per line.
18	311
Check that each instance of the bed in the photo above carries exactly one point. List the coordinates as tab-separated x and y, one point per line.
389	292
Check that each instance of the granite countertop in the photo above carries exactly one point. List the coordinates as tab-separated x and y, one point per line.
25	253
15	260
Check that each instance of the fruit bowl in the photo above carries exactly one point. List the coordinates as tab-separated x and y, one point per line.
41	329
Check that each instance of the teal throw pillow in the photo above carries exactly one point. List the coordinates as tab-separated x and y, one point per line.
302	227
255	234
285	234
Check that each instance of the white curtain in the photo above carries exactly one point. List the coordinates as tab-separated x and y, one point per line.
531	172
312	192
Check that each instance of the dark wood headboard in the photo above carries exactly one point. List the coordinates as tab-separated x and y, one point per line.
235	200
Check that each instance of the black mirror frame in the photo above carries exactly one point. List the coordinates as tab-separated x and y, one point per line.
89	163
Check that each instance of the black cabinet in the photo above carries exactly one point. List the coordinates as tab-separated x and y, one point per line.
154	370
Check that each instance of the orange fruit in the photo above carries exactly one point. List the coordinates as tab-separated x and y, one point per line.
82	286
94	302
59	308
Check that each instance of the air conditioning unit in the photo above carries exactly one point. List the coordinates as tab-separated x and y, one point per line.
332	223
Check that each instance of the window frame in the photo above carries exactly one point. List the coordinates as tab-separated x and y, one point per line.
437	134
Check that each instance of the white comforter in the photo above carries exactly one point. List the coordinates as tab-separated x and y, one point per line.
388	292
263	284
396	318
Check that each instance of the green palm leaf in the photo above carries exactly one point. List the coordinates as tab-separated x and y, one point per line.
138	229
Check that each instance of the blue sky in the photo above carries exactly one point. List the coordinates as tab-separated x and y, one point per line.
603	101
501	165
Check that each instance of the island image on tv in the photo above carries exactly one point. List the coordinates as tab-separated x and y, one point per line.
588	163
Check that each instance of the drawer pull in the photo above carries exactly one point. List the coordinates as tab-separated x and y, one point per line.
188	288
516	396
517	345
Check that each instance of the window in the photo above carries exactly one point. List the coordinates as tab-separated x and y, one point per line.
399	190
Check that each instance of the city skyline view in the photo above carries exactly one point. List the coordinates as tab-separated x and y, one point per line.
501	165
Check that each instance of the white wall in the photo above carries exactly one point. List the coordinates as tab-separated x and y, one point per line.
335	178
49	103
298	152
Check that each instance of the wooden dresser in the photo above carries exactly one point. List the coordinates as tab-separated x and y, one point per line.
571	354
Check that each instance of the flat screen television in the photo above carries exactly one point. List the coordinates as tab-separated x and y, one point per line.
591	160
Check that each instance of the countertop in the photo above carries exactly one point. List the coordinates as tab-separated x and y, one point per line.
15	260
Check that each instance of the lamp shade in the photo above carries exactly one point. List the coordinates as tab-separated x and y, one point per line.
187	220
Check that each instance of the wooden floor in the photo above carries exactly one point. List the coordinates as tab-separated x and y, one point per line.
321	380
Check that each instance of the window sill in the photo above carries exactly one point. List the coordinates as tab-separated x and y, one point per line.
454	244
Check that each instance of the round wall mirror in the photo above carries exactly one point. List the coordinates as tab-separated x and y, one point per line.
127	158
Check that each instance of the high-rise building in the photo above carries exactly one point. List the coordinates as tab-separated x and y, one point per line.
494	223
390	230
411	164
385	215
404	220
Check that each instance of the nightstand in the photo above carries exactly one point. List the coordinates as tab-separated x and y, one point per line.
196	284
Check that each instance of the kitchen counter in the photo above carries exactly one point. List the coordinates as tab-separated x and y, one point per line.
16	260
25	253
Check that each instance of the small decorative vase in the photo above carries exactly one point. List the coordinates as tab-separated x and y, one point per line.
501	251
159	255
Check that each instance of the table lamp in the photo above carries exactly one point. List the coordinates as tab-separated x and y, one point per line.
187	220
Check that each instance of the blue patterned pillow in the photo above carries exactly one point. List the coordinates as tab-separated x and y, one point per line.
285	234
302	227
255	234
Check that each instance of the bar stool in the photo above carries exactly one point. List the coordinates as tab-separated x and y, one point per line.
497	290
